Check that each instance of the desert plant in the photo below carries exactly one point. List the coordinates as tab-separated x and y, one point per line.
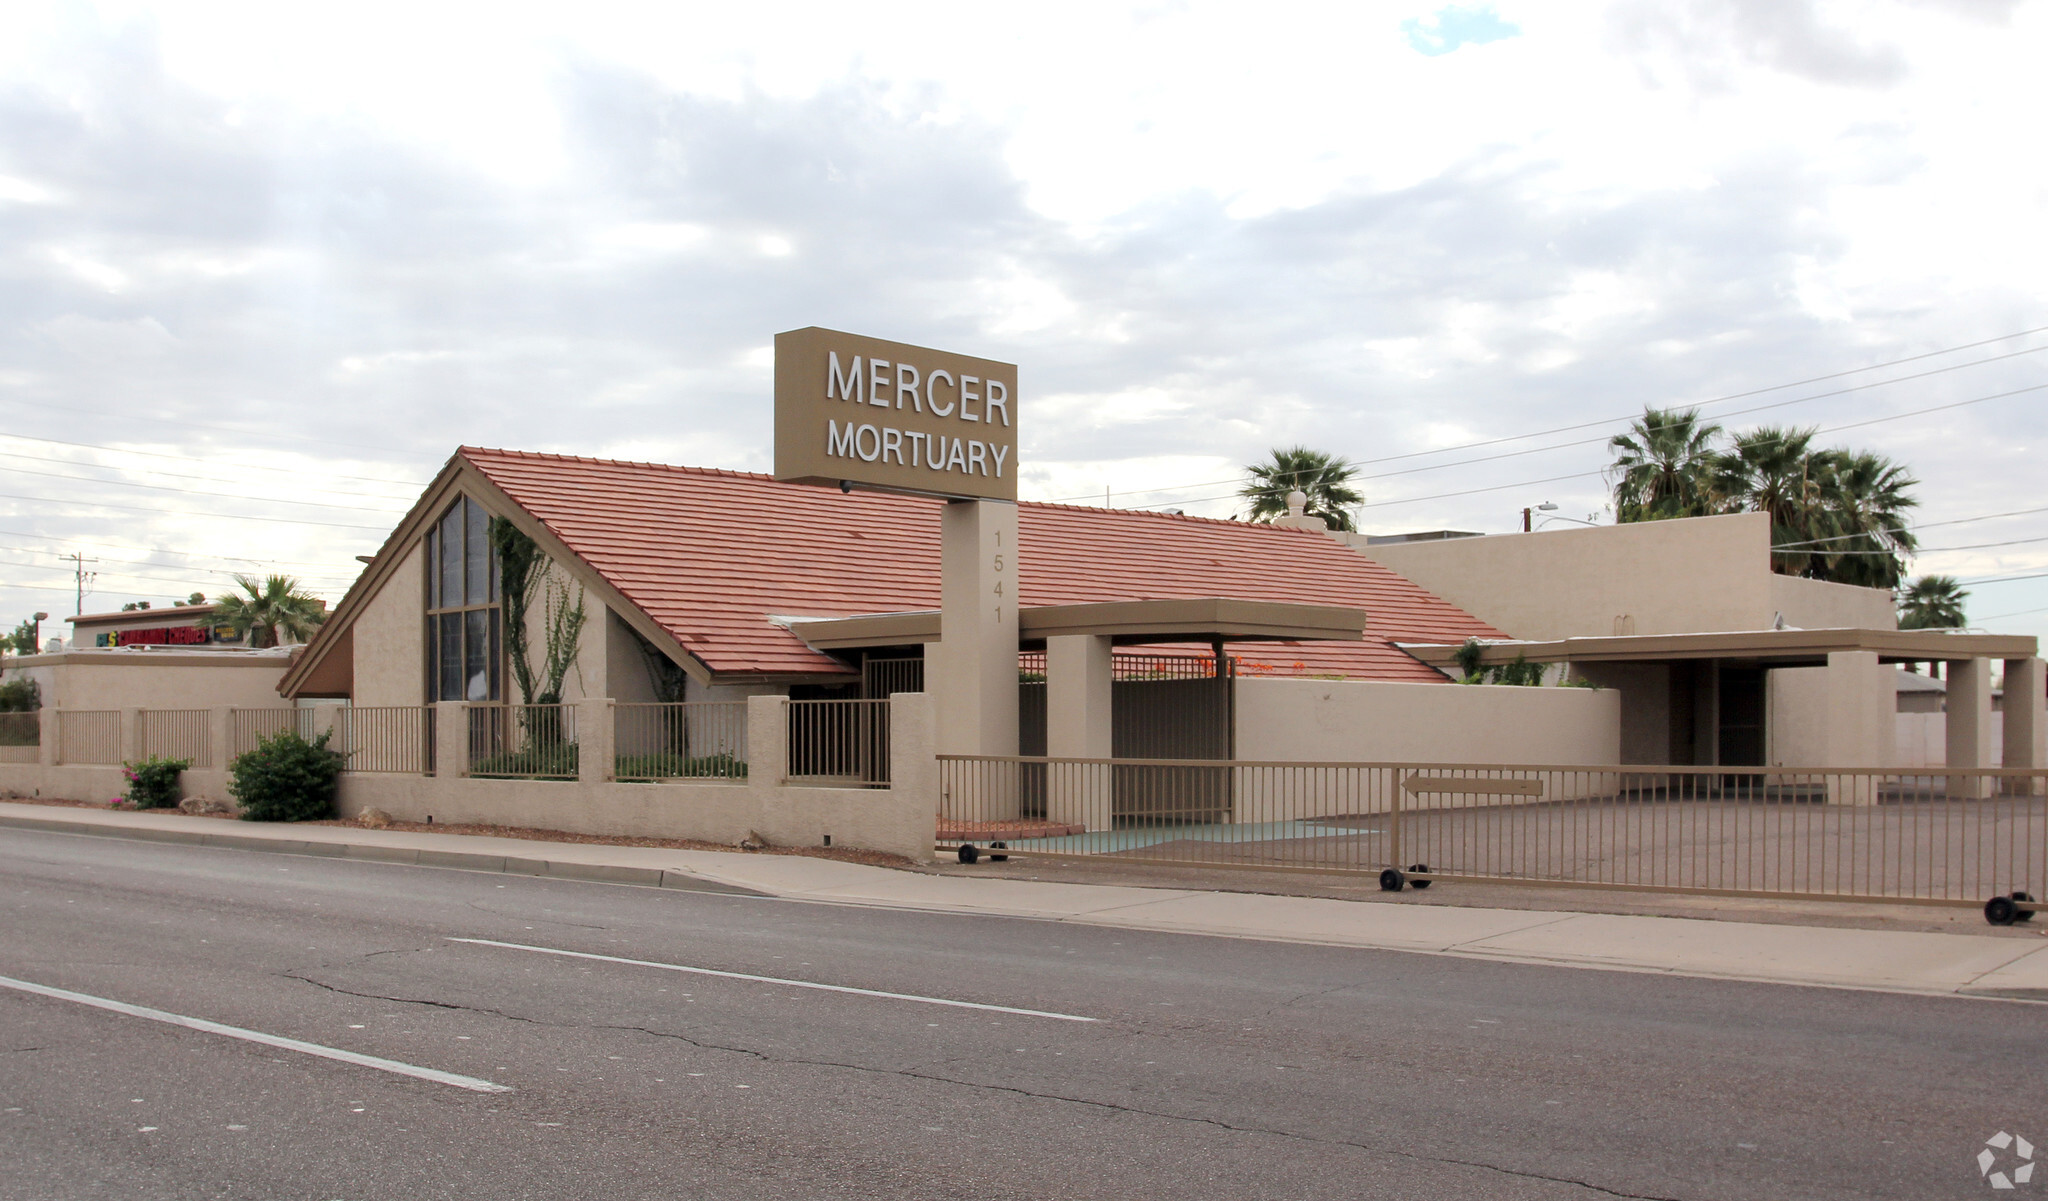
1663	467
287	778
153	783
1932	602
270	608
1324	478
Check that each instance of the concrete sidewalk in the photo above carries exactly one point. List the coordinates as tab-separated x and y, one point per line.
1892	961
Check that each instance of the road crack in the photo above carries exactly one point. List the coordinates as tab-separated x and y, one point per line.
1013	1090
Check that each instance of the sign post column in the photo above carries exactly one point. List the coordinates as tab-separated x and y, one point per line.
974	669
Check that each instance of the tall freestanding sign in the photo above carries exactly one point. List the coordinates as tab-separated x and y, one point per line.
854	412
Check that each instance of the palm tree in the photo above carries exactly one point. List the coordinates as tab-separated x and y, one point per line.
1770	470
1663	467
1325	478
275	606
1863	498
1932	602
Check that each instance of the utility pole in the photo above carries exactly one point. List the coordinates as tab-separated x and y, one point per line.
78	562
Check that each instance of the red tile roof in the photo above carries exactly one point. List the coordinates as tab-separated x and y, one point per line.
711	555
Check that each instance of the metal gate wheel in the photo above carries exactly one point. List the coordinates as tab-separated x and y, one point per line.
1423	870
2000	911
1391	880
969	852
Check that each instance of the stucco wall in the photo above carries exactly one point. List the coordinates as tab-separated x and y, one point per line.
1655	577
390	638
1666	577
1819	605
1372	721
112	679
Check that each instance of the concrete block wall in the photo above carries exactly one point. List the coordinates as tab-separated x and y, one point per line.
899	819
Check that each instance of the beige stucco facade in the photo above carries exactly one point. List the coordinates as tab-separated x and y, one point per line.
1655	577
1373	721
153	679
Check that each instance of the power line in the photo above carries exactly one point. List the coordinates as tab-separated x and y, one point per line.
213	462
1629	417
191	572
1925	525
1933	550
100	504
295	472
261	500
185	554
1537	450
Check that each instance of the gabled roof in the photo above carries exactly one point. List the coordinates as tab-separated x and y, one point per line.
709	564
713	555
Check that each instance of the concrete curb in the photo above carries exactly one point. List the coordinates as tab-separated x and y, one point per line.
1951	966
588	873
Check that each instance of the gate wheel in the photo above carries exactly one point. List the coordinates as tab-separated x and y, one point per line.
1391	880
2023	915
2000	911
969	852
1420	869
998	846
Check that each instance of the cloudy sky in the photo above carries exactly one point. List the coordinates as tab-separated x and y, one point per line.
262	271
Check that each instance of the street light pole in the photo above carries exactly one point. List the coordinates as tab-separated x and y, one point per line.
1545	507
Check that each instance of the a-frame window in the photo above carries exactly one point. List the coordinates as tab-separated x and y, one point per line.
462	606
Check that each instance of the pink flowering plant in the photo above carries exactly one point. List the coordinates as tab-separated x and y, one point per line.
153	783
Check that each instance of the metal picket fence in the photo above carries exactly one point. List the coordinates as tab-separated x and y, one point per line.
21	737
89	736
684	740
523	741
178	734
1931	836
839	742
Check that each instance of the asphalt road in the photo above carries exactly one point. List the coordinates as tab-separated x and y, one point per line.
1212	1067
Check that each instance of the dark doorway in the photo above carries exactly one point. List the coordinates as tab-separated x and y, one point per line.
1743	741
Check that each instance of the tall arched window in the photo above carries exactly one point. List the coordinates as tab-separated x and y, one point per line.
462	606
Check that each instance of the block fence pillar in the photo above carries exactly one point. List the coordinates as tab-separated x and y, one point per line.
767	739
47	734
451	739
596	740
131	735
914	770
220	724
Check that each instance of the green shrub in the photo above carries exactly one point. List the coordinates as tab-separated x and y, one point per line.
536	760
668	765
153	783
20	695
287	778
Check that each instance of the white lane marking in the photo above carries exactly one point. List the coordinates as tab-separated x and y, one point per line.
706	971
255	1036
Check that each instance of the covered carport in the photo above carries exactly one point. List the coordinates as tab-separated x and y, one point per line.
1703	698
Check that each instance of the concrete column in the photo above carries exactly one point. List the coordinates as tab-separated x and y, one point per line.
2026	717
1077	726
47	736
451	739
131	735
767	739
1857	731
1969	723
973	675
596	740
914	778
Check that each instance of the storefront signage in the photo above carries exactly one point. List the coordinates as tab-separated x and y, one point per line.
861	411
